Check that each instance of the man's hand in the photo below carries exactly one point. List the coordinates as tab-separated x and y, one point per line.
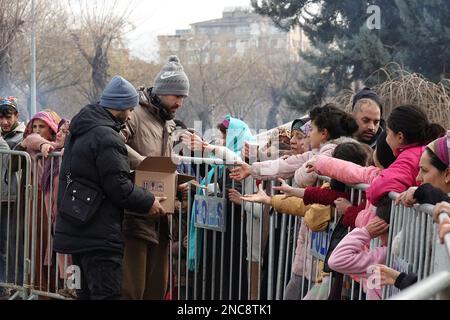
342	205
193	141
184	188
240	172
157	210
377	227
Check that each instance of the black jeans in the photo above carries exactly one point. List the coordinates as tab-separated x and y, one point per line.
101	275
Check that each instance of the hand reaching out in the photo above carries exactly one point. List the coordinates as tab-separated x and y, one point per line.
342	205
260	197
240	172
289	191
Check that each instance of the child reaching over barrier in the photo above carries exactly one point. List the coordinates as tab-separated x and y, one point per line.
434	175
351	257
316	215
408	132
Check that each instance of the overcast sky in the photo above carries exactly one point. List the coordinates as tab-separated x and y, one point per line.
155	17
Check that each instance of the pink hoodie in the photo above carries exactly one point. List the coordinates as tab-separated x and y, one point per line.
295	165
399	176
350	173
350	257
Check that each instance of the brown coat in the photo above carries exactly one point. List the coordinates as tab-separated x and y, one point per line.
146	135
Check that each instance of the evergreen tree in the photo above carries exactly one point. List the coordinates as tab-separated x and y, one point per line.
413	33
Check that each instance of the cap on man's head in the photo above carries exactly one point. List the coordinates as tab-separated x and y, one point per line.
119	94
367	93
8	104
171	80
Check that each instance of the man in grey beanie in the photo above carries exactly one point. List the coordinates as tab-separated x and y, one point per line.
95	166
149	133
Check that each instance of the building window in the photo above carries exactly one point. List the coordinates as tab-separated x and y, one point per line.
242	30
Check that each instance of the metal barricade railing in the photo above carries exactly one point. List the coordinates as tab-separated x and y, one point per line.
238	252
49	270
231	264
15	190
420	252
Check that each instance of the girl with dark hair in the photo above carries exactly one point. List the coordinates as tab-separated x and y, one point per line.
330	126
408	132
434	175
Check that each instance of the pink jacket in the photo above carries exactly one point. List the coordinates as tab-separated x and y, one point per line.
399	176
350	257
280	168
295	165
350	173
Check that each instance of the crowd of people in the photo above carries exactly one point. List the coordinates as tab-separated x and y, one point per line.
118	234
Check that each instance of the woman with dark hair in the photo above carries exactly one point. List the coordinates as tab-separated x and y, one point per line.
408	132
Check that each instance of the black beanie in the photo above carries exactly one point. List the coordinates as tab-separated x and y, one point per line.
367	93
385	155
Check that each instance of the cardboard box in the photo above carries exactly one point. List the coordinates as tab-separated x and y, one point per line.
158	175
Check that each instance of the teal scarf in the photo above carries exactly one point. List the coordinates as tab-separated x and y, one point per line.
238	133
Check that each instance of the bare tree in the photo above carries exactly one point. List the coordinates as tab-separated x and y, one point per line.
13	17
59	65
99	24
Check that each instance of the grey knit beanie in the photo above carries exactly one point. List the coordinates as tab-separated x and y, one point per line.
119	94
172	80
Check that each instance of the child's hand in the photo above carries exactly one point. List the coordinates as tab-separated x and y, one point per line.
444	229
407	197
377	227
442	207
260	197
311	165
185	242
342	205
240	172
235	196
46	149
289	191
388	276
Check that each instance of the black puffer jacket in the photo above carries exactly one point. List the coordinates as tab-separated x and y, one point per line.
99	156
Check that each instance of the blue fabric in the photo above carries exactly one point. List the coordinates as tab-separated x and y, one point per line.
119	94
238	133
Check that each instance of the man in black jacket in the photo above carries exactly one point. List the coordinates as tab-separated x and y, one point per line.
96	157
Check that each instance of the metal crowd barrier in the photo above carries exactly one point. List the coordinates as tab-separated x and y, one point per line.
239	252
49	270
15	191
416	250
420	252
